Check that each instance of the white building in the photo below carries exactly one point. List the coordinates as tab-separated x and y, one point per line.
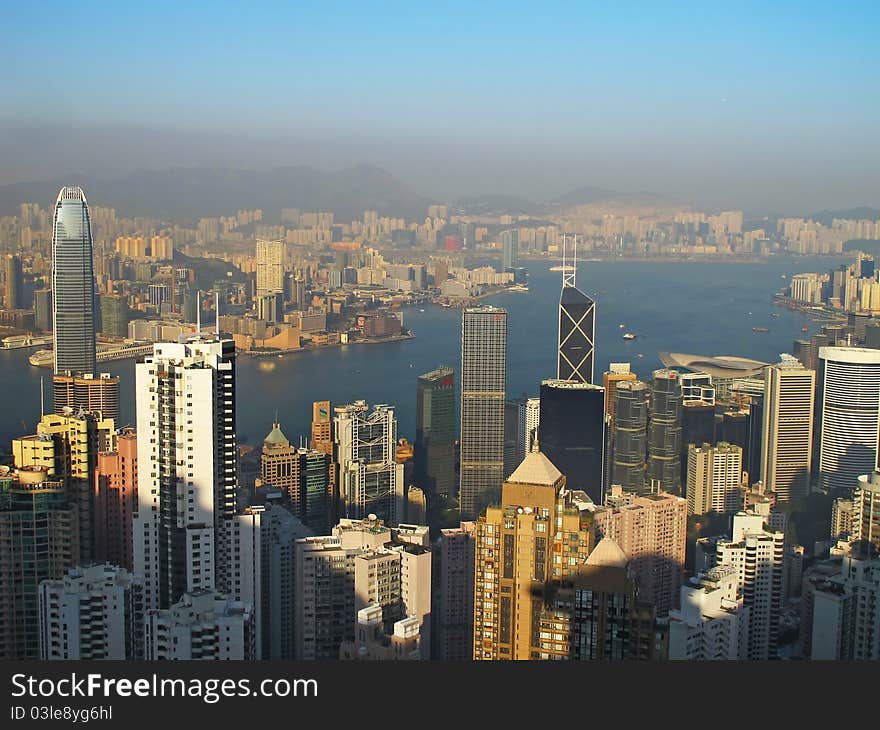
202	626
713	620
373	643
758	556
324	578
846	613
527	426
849	408
187	478
92	613
365	448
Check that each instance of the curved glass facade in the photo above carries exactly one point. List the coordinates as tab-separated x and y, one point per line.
73	283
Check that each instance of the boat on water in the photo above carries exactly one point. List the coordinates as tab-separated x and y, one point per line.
421	310
621	326
760	329
42	359
16	342
562	268
629	335
775	314
805	329
518	287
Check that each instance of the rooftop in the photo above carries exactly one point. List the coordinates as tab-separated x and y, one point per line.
536	468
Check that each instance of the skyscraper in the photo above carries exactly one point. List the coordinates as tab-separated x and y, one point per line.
116	502
454	600
270	267
757	555
577	333
714	478
618	372
866	510
652	532
73	284
572	433
87	392
37	518
515	567
185	394
848	416
630	436
483	388
509	249
664	432
435	432
14	284
370	478
527	425
789	391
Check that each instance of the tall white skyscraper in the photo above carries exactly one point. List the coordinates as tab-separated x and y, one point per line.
365	446
789	392
73	283
270	267
848	414
483	394
186	468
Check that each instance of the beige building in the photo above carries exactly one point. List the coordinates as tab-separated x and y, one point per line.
789	394
270	267
714	478
533	541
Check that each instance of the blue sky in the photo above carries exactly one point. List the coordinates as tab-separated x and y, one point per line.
632	93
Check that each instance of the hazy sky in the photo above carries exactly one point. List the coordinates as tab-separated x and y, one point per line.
768	106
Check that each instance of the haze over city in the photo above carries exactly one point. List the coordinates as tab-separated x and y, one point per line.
766	109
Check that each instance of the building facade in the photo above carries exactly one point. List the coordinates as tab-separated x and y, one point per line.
483	394
789	393
73	284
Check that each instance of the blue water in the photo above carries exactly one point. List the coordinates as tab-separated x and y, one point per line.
700	308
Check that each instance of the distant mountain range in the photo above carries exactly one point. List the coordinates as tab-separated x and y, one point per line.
189	194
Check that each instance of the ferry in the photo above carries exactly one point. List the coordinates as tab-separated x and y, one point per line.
760	329
562	268
42	359
16	342
518	287
629	336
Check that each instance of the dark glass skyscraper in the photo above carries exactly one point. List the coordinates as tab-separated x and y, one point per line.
572	433
435	432
14	282
483	389
73	284
664	432
577	330
630	434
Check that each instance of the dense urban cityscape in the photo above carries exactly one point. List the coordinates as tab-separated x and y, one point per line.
723	508
528	352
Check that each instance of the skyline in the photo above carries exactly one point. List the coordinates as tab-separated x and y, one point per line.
712	107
